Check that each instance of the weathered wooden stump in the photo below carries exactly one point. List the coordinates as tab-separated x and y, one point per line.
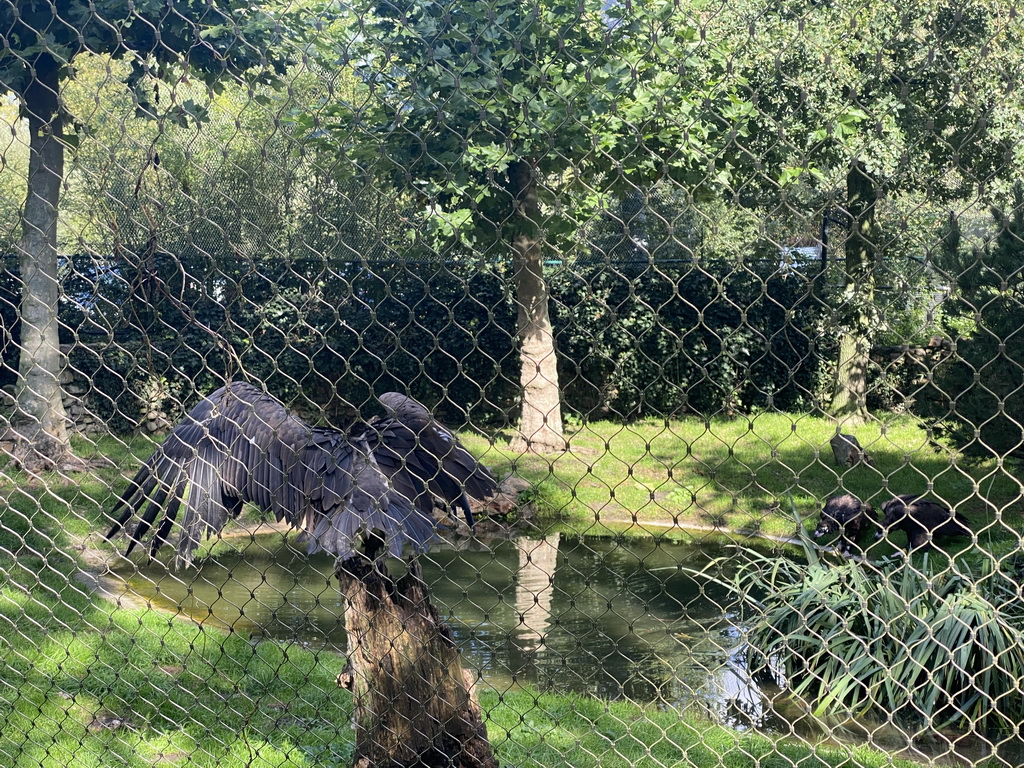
414	705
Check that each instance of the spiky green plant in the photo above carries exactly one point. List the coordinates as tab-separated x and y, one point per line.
852	638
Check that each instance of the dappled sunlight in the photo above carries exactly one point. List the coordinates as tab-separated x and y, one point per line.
742	472
537	319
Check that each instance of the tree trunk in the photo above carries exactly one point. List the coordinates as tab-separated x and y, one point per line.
39	425
849	395
414	705
540	425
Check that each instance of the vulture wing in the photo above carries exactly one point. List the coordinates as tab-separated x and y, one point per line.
242	445
430	452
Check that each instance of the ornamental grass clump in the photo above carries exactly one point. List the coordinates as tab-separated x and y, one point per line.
853	638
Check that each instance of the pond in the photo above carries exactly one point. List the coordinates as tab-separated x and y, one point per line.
614	617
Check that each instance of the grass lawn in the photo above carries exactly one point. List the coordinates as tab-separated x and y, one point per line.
740	473
86	683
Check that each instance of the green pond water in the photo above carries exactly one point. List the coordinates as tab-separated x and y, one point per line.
614	617
611	617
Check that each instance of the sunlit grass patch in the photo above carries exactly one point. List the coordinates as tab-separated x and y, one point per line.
740	473
85	683
531	729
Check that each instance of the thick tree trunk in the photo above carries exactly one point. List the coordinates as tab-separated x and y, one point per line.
540	425
849	394
39	425
414	705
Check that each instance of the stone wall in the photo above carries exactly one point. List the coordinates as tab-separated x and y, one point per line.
75	394
81	401
905	372
917	360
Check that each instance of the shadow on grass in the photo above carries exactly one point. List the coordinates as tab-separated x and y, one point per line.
84	683
742	473
542	730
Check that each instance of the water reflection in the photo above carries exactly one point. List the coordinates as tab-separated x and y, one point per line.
603	616
535	583
611	617
614	618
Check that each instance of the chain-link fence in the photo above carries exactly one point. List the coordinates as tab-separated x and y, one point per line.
714	311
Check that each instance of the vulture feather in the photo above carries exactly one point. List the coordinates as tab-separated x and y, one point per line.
378	480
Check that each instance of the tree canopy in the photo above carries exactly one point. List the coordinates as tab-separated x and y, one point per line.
853	102
512	123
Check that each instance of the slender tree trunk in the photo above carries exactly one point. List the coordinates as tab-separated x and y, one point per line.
849	395
414	704
540	425
39	425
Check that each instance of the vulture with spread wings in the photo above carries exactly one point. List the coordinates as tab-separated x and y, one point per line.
376	482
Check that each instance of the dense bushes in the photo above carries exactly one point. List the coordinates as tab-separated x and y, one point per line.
444	335
673	308
690	336
659	308
686	337
686	342
977	395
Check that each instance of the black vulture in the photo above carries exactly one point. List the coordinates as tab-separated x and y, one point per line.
849	517
374	483
921	519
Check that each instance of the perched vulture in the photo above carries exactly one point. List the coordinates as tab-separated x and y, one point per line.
376	482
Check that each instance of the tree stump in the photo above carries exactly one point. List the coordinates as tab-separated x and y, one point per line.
414	705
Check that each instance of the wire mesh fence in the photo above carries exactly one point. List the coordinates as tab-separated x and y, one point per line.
705	324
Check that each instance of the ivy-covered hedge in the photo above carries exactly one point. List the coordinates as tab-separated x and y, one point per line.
691	337
975	397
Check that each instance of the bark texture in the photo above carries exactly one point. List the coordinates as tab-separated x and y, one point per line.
414	705
39	426
850	390
540	424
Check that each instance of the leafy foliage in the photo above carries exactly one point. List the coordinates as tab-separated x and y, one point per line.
978	398
938	648
218	37
667	316
831	82
502	83
850	105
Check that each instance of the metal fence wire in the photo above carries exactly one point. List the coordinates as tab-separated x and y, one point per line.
511	382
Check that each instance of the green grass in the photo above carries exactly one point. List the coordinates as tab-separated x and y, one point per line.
86	683
551	730
740	473
109	686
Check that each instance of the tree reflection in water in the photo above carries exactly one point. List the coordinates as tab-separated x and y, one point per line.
604	616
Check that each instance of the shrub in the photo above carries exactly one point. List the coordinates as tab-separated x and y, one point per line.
977	400
850	639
